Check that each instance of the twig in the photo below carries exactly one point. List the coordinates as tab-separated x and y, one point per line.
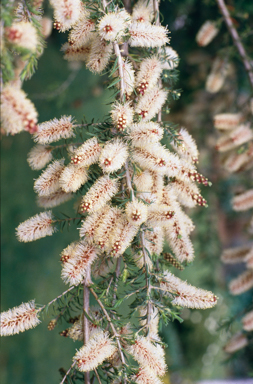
120	66
62	382
157	22
58	297
86	304
96	373
117	272
128	180
236	39
111	325
147	278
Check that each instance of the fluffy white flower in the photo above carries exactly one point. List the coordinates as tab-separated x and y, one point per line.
244	201
171	59
148	74
112	26
227	121
54	130
151	103
72	178
48	182
113	156
207	33
54	199
122	115
66	13
185	294
99	348
136	212
148	132
22	34
147	35
39	156
99	194
36	227
19	319
100	53
87	154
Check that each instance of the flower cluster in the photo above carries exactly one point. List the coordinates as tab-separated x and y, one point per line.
133	192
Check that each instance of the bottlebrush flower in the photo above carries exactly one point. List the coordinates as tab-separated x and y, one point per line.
36	227
250	229
17	112
99	194
239	161
187	193
148	355
99	348
39	156
54	199
68	252
142	261
128	77
171	59
92	222
122	236
185	171
72	178
153	157
146	376
153	321
249	258
23	35
73	53
207	33
54	130
187	295
136	212
46	26
159	214
157	185
227	121
106	225
233	139
122	115
48	182
244	201
81	33
102	266
217	76
236	343
112	26
147	35
154	240
143	11
66	13
19	319
143	181
178	239
113	156
148	74
169	258
247	321
235	255
187	148
242	283
100	54
151	103
75	268
87	154
149	132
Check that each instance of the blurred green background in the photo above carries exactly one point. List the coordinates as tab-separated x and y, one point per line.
32	270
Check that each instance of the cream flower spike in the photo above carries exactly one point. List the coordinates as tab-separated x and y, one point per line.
147	35
48	182
39	156
19	319
23	34
54	130
113	25
99	56
99	348
36	227
66	13
143	11
207	33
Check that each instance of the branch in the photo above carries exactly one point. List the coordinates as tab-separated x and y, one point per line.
147	278
58	297
64	378
157	22
120	66
111	325
86	303
236	39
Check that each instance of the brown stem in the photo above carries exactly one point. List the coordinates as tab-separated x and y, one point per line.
86	304
147	279
58	297
111	325
157	22
117	273
236	39
66	375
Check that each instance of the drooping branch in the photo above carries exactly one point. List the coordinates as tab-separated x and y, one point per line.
236	39
86	304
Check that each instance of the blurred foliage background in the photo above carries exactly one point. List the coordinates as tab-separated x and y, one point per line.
33	270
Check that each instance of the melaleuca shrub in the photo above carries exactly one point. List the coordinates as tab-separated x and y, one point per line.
133	190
